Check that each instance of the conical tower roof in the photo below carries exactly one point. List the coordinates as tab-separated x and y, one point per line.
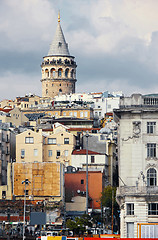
59	45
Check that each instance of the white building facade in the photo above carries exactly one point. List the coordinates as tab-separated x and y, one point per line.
137	194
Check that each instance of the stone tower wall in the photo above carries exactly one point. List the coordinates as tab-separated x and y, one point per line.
58	75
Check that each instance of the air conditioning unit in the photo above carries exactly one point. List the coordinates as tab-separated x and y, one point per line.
57	157
22	156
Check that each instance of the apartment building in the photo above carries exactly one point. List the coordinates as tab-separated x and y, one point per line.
49	145
7	151
137	195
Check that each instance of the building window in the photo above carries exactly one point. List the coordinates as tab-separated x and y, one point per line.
49	153
29	140
72	73
35	152
70	113
60	72
22	153
85	114
66	140
153	209
81	114
151	150
92	159
66	153
151	127
51	140
130	208
75	114
46	91
58	153
130	229
82	181
66	72
151	177
3	194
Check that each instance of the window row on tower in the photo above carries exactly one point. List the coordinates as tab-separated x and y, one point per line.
59	61
60	73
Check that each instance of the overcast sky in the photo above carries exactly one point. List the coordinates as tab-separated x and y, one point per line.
115	44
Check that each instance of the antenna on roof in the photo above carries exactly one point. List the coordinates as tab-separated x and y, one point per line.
59	16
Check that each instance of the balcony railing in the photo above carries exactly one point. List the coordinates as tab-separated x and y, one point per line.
140	190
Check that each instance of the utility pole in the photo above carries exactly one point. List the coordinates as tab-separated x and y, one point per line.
26	182
87	136
64	204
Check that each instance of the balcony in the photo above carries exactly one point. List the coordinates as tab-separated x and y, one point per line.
133	190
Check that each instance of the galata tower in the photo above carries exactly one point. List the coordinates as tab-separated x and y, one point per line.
58	67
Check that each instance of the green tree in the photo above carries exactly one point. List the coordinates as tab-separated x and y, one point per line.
78	225
108	198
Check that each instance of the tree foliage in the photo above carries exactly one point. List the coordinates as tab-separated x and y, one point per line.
108	198
78	225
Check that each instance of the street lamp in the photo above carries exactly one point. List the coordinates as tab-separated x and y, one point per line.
26	182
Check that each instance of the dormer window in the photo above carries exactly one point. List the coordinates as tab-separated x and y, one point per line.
59	44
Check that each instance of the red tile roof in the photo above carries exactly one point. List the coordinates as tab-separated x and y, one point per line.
83	129
83	152
5	110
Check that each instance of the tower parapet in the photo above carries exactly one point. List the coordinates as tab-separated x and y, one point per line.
58	67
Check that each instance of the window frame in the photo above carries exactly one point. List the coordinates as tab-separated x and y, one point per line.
66	140
52	141
35	152
130	209
151	150
92	159
50	153
58	153
22	154
82	181
29	140
152	208
151	127
151	177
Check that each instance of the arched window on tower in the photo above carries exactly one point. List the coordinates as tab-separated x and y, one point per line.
60	90
46	72
72	73
151	177
52	72
59	72
46	91
66	72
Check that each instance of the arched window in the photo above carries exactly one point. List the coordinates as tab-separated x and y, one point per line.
60	90
66	72
46	91
52	72
59	72
47	73
151	177
72	73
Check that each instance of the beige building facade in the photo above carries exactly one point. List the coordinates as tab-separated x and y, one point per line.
14	116
29	147
49	146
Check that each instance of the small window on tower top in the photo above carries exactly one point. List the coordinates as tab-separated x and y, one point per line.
60	44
